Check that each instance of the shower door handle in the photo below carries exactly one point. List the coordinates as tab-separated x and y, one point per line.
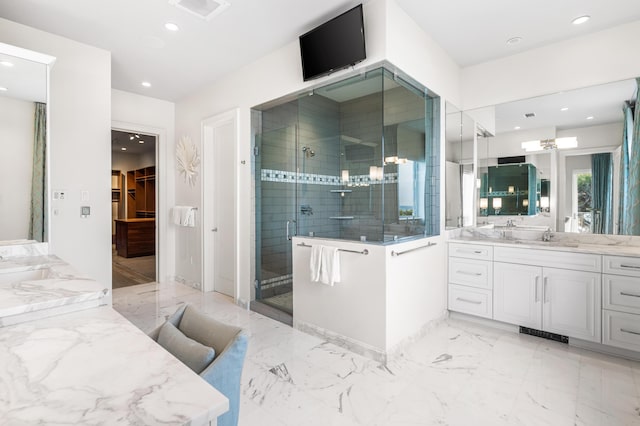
288	223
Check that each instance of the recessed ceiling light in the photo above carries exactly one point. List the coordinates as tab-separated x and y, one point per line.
124	148
590	117
6	63
514	40
564	109
581	20
146	84
516	128
3	89
529	114
171	26
140	141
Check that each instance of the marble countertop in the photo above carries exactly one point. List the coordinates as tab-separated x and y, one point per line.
94	367
569	246
33	287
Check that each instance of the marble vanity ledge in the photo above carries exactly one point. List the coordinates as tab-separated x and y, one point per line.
27	263
95	367
604	249
14	248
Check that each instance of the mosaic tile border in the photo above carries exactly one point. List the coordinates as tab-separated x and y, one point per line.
277	281
269	175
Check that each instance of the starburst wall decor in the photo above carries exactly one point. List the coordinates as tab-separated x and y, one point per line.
188	160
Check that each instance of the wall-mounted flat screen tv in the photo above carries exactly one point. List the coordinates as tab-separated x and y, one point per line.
336	44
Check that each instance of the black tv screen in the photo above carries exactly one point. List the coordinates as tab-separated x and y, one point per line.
336	44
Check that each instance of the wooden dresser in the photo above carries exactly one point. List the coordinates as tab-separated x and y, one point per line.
136	237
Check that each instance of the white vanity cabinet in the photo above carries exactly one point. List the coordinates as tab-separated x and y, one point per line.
556	300
621	302
553	291
470	274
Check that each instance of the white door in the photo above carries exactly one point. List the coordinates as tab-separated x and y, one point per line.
517	294
218	201
572	303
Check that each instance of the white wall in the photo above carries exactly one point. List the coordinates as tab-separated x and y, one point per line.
589	60
16	134
80	110
154	116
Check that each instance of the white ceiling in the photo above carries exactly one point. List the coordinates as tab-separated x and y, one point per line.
475	31
179	63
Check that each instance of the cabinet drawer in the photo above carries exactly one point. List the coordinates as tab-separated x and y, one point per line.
621	330
473	301
629	266
550	258
471	251
474	273
621	293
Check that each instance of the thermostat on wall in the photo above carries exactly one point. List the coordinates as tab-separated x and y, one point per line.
85	211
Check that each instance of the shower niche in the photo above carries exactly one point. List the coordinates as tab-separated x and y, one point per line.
353	160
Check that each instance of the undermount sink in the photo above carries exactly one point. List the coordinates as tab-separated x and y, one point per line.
20	276
546	243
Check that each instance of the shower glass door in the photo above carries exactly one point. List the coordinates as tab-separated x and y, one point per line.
276	216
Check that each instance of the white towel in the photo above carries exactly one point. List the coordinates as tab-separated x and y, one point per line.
329	265
314	263
184	216
325	264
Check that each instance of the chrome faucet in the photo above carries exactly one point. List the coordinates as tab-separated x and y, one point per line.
546	236
510	223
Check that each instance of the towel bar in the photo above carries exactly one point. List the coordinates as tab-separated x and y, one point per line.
365	251
395	253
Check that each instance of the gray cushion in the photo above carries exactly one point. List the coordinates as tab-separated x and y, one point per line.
194	355
206	330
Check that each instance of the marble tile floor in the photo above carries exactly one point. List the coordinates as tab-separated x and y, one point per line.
460	373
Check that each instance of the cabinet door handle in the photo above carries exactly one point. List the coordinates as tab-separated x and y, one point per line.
546	289
475	302
622	293
476	274
622	265
469	251
537	289
630	332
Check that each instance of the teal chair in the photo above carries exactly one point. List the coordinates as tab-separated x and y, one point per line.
228	342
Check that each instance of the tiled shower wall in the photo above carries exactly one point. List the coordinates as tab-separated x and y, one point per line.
313	122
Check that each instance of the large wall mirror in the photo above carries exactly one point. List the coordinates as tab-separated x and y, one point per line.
24	203
559	161
459	175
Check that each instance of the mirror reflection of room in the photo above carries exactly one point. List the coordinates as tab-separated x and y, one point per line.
562	161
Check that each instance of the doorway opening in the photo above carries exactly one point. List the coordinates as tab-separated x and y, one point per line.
133	208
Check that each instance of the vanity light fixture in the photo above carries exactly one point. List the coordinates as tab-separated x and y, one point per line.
557	143
146	84
345	176
496	203
6	64
511	189
544	203
171	26
525	203
581	20
484	203
389	160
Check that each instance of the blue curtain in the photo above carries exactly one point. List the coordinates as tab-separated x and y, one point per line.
601	187
632	206
38	220
627	138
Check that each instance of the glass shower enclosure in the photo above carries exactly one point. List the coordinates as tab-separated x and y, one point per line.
353	160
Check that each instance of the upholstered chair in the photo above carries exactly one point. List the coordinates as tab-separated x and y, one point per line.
214	348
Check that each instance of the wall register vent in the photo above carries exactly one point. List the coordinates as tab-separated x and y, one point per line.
544	334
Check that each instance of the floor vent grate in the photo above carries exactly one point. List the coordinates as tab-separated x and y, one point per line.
544	334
